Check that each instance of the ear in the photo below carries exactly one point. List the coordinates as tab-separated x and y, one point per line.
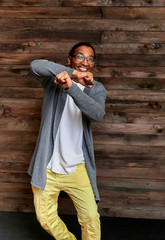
69	60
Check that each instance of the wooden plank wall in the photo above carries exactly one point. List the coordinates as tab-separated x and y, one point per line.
129	37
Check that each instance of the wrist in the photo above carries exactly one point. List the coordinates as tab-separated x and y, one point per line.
74	74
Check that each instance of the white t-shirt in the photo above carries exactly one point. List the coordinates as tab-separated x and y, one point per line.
67	151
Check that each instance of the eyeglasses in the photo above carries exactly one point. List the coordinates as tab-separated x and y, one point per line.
80	58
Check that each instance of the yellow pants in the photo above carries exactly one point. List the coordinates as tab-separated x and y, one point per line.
77	186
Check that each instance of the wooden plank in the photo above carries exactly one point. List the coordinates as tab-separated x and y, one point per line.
120	60
128	128
121	108
133	13
136	95
16	187
18	136
82	12
50	12
14	167
128	161
138	212
64	48
14	177
133	72
78	3
15	70
118	184
31	93
133	83
17	128
136	118
20	147
128	137
7	104
130	48
28	82
133	37
133	152
31	3
48	34
132	172
118	3
29	25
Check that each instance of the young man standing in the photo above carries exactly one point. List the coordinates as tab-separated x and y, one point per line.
63	159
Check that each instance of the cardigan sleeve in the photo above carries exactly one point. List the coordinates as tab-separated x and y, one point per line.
92	104
45	70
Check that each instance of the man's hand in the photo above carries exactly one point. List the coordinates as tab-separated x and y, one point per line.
84	78
63	80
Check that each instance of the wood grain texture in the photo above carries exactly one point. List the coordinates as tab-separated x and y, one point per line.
129	38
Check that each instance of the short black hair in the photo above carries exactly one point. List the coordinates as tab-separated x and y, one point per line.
72	51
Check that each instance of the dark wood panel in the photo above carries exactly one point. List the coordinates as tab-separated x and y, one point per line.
82	3
20	135
12	177
132	172
43	34
127	128
130	72
131	152
7	104
133	37
82	12
50	12
120	108
136	118
15	156
28	82
133	13
20	147
118	3
135	95
45	3
130	48
132	83
31	93
127	136
14	167
24	127
120	60
28	25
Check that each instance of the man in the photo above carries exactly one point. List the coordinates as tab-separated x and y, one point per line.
63	159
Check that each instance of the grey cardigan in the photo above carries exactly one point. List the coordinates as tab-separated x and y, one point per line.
91	102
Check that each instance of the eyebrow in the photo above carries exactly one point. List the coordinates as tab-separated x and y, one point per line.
83	54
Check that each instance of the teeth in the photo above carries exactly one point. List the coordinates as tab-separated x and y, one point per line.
83	69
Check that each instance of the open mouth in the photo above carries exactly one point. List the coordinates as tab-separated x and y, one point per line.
82	69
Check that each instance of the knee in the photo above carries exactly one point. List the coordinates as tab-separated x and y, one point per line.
90	217
41	218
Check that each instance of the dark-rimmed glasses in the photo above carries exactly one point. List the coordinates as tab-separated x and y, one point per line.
80	58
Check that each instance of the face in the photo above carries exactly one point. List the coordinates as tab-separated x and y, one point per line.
82	66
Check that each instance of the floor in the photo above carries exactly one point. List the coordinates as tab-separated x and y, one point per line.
24	226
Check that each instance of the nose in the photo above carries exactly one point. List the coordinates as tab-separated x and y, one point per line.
85	61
